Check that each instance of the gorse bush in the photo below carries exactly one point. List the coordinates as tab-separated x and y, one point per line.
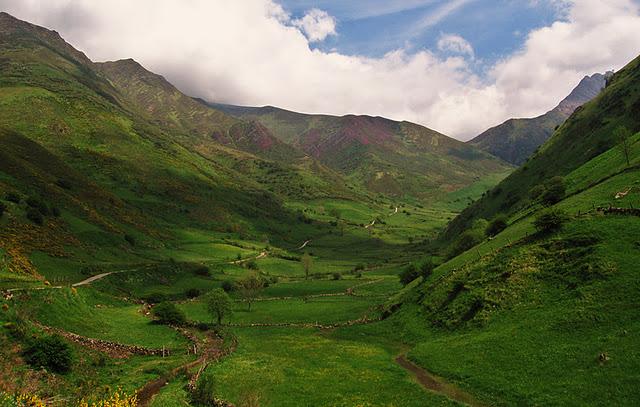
167	313
50	352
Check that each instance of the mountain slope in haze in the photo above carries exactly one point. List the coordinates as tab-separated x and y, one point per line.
386	156
516	139
588	132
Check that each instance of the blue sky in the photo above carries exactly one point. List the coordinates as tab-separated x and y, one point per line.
495	28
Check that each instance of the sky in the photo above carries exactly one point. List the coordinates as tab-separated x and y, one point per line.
456	66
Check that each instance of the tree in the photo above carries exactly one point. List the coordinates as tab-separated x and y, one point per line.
409	274
554	192
249	287
307	263
623	136
218	304
496	226
550	220
167	313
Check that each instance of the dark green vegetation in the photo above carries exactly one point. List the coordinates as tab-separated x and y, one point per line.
516	139
151	243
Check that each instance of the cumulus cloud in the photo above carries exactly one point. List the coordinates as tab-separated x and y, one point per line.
316	25
251	52
455	44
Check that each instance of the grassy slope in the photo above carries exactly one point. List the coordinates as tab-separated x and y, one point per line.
585	135
534	319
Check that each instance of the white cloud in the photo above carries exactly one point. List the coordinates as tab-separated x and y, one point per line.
250	52
316	25
455	44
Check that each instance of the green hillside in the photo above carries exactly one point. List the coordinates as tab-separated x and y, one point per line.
544	316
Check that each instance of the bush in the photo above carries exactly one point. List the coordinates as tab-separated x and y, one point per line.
228	286
251	265
167	313
465	242
36	203
536	192
192	293
130	239
50	352
496	226
155	297
409	274
555	191
550	221
202	270
337	276
426	269
3	208
35	216
13	197
204	392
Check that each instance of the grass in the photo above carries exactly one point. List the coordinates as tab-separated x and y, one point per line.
270	363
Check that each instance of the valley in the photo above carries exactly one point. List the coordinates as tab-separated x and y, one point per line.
160	250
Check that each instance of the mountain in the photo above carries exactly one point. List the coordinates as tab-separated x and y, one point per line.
386	156
547	302
516	139
587	133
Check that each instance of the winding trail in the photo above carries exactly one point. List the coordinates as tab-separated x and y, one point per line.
304	245
373	222
262	255
394	212
436	384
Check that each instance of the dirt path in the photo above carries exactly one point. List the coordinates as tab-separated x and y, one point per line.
394	212
262	255
436	384
94	278
304	245
373	222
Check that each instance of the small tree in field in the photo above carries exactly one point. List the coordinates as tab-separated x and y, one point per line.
168	314
218	304
623	136
249	288
307	263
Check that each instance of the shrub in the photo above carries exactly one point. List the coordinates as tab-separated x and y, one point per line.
155	298
550	220
63	183
39	205
168	314
426	269
409	274
496	226
50	352
536	192
13	197
130	239
3	208
228	286
55	212
251	265
192	293
35	216
465	242
204	392
555	191
337	276
202	270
